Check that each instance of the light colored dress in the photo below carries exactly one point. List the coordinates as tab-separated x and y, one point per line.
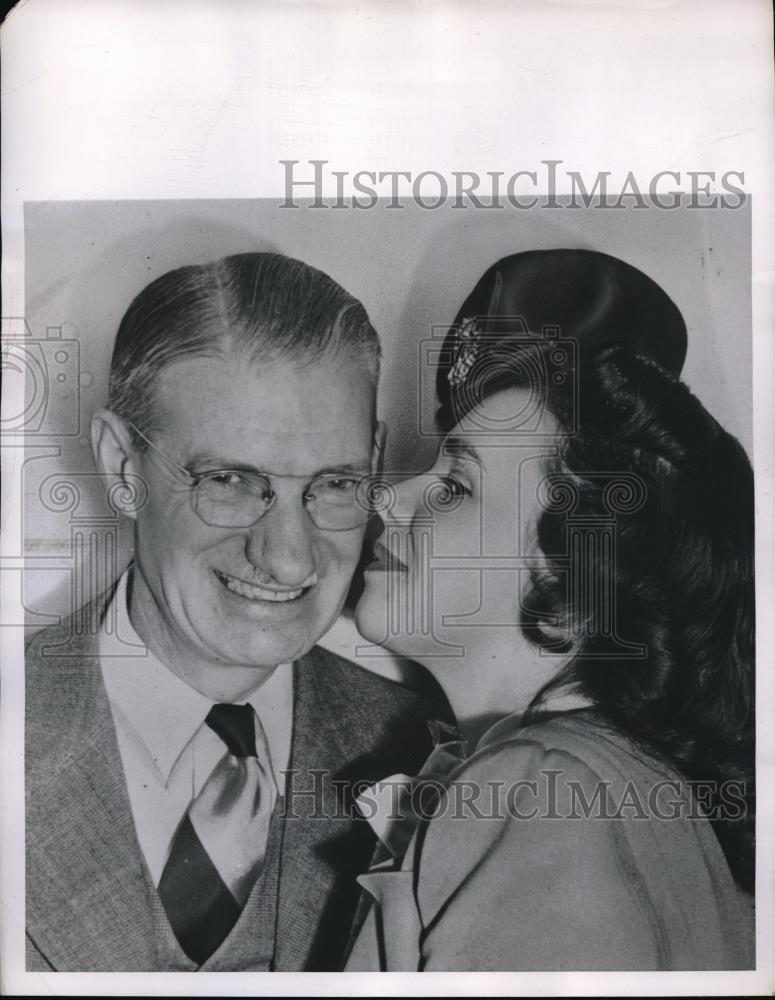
556	847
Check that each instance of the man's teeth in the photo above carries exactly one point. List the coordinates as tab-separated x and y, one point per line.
260	593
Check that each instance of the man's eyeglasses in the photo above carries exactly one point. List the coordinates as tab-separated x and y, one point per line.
228	498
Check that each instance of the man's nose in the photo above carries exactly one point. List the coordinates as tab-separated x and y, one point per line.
282	543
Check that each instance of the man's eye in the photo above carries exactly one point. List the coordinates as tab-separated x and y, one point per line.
341	485
230	486
226	479
338	489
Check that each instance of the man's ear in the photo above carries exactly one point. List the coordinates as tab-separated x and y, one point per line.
112	448
380	440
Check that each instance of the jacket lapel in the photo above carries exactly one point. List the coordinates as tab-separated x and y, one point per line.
324	846
88	905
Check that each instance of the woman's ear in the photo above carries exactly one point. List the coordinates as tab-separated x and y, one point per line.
113	451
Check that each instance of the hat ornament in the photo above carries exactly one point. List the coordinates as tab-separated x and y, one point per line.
470	338
469	343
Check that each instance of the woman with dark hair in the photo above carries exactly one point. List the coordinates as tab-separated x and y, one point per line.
576	571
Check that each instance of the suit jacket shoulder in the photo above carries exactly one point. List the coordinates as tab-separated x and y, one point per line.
63	683
87	903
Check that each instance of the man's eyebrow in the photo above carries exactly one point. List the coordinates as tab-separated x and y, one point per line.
458	447
209	463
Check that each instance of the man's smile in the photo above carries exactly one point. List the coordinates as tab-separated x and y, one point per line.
256	592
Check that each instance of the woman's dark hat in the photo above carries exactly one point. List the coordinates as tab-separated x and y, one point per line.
561	305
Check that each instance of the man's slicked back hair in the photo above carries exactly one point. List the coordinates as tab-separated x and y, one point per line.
263	307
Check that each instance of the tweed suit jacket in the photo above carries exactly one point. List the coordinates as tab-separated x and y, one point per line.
90	901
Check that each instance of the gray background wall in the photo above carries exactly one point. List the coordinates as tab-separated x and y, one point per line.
411	267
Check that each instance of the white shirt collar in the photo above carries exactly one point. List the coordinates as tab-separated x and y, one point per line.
163	710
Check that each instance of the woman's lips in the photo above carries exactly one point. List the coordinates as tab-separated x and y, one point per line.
386	561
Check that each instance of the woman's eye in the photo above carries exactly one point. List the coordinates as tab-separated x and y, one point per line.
445	494
454	487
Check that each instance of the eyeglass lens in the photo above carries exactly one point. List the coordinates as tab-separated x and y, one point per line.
233	500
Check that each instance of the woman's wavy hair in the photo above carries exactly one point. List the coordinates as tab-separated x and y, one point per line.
677	586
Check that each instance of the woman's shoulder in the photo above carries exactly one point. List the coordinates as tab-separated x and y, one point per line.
597	839
516	779
578	743
575	767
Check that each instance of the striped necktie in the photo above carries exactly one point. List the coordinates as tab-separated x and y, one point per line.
218	849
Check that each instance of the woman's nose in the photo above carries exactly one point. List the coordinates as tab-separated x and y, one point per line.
407	499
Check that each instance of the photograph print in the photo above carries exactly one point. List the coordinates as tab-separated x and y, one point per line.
387	583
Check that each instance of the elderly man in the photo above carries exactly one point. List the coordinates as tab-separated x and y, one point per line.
192	808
